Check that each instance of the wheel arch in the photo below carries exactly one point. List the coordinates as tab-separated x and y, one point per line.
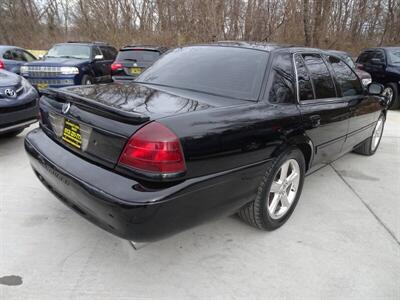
304	144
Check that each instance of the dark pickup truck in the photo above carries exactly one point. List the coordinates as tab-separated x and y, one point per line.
73	63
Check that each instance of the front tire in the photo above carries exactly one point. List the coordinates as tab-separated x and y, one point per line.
391	91
278	192
86	80
369	146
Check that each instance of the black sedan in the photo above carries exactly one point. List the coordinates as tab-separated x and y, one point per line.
18	103
207	131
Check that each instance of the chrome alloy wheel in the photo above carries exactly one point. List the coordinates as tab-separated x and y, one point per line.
283	189
388	93
376	136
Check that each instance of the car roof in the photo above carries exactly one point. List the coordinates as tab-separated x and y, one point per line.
262	46
5	47
338	52
144	47
380	48
84	43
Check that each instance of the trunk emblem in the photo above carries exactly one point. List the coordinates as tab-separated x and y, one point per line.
10	93
65	108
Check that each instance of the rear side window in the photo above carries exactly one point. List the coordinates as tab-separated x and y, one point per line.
138	55
107	53
364	57
321	78
281	81
305	87
347	79
7	55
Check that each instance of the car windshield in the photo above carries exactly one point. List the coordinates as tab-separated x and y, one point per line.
394	55
70	51
225	71
138	55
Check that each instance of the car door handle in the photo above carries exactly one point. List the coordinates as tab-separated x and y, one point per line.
315	120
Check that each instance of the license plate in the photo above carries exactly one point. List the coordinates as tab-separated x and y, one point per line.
72	134
136	71
42	86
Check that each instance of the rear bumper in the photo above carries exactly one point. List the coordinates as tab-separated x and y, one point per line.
123	207
19	117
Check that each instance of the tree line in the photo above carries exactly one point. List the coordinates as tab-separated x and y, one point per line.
335	24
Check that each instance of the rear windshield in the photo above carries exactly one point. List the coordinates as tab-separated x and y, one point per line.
138	55
226	71
394	55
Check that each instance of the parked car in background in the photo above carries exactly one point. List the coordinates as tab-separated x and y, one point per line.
192	138
18	103
364	76
384	66
72	63
131	61
12	58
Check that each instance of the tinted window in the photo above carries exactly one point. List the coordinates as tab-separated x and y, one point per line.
322	80
70	51
364	57
17	55
96	51
347	79
227	71
107	52
280	83
305	87
138	55
7	55
379	55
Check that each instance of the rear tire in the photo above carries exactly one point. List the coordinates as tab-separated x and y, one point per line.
275	202
392	90
369	146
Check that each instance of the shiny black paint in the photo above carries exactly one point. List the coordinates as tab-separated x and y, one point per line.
228	145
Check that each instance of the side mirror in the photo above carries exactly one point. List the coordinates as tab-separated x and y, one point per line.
375	89
99	57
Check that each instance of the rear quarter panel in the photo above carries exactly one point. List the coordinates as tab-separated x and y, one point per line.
226	138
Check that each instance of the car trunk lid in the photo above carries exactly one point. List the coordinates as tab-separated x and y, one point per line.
96	121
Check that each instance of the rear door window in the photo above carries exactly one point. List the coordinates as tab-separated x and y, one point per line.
320	76
106	53
348	81
306	91
281	80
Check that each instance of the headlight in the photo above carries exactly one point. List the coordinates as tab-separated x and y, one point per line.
25	84
366	81
69	70
24	70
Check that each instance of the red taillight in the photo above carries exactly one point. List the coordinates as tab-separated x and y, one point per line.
1	64
116	66
154	148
